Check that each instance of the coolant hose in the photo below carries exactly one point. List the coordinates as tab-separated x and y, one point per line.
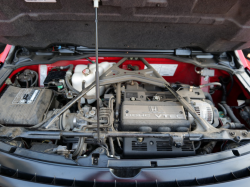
69	67
34	83
224	93
70	86
224	110
230	113
81	147
67	77
208	96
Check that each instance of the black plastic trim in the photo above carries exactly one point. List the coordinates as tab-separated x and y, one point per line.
231	172
43	156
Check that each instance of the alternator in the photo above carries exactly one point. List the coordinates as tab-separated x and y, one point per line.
204	110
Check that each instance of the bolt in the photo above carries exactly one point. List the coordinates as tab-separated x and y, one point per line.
151	143
140	139
237	138
232	133
244	133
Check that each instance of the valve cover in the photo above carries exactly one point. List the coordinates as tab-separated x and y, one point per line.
153	116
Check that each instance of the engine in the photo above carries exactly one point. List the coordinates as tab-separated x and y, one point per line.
146	108
137	120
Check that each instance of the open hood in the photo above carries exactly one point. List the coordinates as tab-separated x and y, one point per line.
213	25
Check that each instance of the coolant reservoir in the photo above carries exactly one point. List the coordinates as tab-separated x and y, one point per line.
84	75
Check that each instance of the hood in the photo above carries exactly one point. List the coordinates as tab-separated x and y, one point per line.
212	25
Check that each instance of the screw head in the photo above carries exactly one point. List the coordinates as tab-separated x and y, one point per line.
237	138
245	133
151	143
232	133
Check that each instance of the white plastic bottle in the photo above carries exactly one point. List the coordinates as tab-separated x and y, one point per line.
86	75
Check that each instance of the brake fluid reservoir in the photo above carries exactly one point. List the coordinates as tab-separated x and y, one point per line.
85	75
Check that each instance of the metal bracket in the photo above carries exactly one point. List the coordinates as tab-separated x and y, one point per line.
116	74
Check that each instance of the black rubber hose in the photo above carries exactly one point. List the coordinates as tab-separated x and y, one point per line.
70	67
208	96
66	67
222	107
230	113
224	93
197	147
108	89
27	83
111	144
31	79
232	83
70	86
90	60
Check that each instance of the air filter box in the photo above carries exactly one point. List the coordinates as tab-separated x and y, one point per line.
24	106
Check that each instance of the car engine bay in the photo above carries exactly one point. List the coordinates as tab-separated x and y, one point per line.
52	109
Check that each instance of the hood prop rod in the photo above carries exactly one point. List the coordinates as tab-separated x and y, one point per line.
96	5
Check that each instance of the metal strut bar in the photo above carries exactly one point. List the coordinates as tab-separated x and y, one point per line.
96	5
222	134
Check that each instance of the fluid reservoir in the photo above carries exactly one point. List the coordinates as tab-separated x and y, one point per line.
84	75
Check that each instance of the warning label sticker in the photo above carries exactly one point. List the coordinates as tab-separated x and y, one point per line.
165	69
26	96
